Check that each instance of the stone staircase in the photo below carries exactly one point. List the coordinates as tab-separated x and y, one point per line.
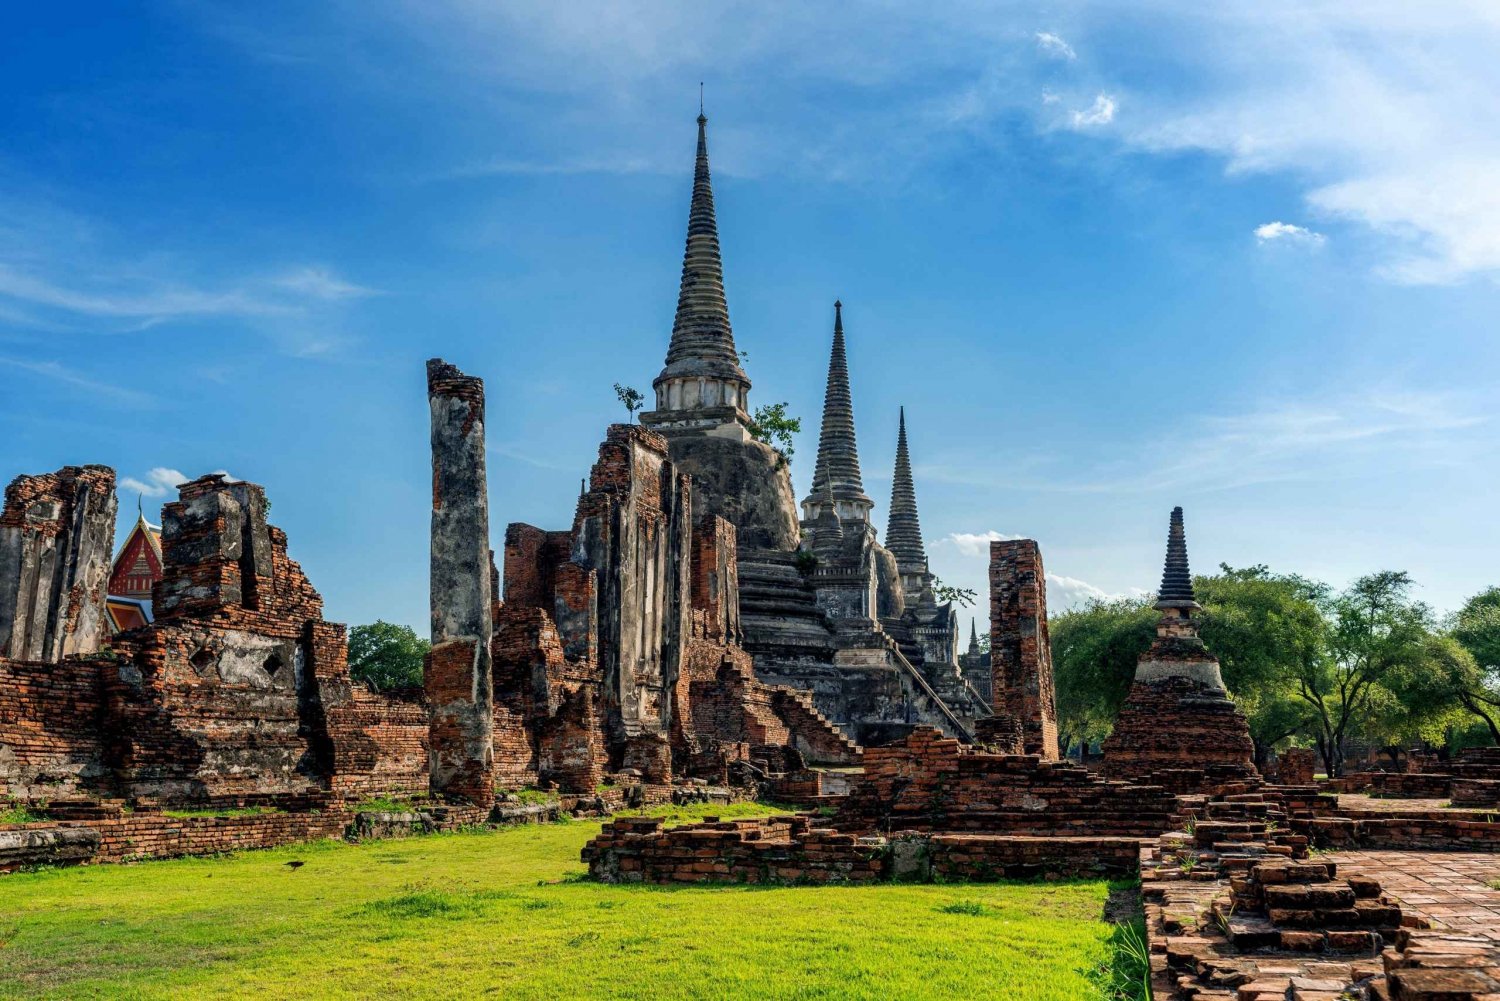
934	702
821	740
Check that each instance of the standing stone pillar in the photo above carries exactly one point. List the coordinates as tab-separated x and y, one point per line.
56	534
1020	649
458	677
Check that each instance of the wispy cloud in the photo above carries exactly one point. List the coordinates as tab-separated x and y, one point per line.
321	283
1286	232
1101	112
63	375
63	273
1054	45
1303	440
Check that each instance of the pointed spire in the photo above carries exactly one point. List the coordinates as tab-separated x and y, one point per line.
974	636
837	467
903	531
702	342
1176	579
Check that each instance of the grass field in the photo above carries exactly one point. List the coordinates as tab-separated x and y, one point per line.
503	914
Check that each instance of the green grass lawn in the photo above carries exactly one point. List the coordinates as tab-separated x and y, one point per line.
503	914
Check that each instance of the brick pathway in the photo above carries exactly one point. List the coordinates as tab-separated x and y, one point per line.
1449	889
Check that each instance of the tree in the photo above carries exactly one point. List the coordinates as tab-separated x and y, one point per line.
1476	686
1094	653
387	656
1421	699
1375	634
1265	629
632	398
771	425
965	596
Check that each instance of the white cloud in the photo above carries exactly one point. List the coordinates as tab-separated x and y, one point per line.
974	543
1101	112
158	482
1286	232
1053	45
1064	593
1048	97
320	283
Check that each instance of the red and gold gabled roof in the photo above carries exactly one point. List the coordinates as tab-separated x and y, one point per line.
138	564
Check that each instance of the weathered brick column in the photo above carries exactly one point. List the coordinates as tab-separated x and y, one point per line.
1020	650
56	534
458	677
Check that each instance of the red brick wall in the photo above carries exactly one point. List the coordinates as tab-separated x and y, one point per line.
1021	651
931	782
51	720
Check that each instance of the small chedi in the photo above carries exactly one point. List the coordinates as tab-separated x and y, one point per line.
1178	727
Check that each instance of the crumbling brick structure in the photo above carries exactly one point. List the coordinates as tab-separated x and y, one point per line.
1021	654
616	646
56	532
457	675
238	691
1178	726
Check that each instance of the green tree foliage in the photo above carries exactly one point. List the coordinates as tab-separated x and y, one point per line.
387	656
965	596
1377	638
1266	629
631	398
1094	652
1476	685
771	425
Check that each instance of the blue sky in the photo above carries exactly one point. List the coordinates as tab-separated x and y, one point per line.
1110	260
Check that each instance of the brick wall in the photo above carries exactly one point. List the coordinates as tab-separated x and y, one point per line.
51	721
789	850
1021	651
930	782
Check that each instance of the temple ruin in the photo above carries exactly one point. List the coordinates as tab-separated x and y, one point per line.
825	608
690	635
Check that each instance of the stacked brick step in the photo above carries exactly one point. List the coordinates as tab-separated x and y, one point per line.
1434	966
930	782
789	850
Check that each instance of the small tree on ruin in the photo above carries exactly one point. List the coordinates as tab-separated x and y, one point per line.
772	425
631	397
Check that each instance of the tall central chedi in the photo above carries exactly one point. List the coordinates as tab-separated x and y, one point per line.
702	394
1178	727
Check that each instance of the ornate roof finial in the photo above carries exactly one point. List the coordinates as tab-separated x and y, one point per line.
973	636
837	467
903	530
700	101
1176	578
